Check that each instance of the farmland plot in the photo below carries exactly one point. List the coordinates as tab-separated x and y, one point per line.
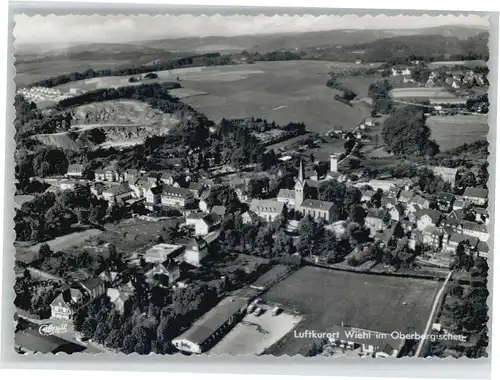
453	131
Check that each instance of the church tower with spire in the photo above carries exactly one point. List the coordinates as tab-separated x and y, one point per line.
300	187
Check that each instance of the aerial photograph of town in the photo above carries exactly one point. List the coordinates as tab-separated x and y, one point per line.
252	185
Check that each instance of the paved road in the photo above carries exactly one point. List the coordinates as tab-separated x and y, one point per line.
432	316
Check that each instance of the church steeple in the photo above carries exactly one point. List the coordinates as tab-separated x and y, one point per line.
301	176
300	187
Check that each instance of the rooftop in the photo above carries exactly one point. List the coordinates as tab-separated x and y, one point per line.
266	205
317	204
476	192
204	327
160	251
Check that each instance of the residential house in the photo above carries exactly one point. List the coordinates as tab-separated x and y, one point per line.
471	242
389	202
153	196
97	189
318	209
66	303
196	188
476	195
100	175
106	174
249	217
384	238
163	251
139	186
166	272
377	220
398	70
241	193
203	223
267	209
74	170
427	217
420	201
94	287
445	201
432	236
170	179
454	224
219	210
196	250
405	196
118	298
483	249
459	203
430	83
110	278
407	225
129	175
475	229
457	214
67	185
366	195
118	193
202	204
416	240
397	212
176	196
481	214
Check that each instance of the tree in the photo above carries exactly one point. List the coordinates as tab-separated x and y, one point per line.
283	244
44	252
309	236
357	214
376	198
405	132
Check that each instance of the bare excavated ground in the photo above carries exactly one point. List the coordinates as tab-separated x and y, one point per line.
125	123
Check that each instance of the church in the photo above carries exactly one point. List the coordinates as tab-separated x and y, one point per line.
299	197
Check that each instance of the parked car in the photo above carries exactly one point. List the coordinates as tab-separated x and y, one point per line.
251	308
276	311
258	311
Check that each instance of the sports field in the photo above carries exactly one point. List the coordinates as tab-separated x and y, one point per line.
329	298
453	131
421	92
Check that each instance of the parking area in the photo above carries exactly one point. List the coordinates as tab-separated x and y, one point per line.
254	334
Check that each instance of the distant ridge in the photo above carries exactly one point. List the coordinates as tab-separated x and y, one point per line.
257	42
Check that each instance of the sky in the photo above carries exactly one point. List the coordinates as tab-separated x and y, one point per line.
74	29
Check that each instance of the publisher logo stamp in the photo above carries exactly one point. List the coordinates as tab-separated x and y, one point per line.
51	329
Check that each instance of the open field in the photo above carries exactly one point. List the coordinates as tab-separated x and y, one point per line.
132	234
472	63
329	298
280	91
182	93
30	72
60	243
195	74
453	131
253	335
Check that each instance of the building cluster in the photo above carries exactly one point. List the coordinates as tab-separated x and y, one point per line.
452	220
38	94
